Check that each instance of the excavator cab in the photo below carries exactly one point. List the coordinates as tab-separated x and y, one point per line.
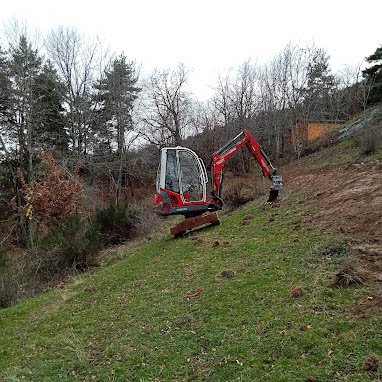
181	186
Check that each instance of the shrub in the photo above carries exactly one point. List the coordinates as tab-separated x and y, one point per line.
73	244
370	140
56	196
7	289
19	277
115	223
148	222
68	248
3	259
235	195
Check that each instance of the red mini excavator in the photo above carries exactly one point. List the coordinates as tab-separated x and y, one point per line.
181	187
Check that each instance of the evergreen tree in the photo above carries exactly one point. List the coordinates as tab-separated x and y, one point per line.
25	65
7	171
117	92
373	75
48	120
5	92
319	87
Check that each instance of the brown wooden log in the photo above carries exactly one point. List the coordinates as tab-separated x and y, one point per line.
194	222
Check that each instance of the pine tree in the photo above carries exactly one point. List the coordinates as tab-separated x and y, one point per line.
48	120
25	65
5	91
117	92
319	87
373	75
7	170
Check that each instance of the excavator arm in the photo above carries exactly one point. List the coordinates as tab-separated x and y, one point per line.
219	158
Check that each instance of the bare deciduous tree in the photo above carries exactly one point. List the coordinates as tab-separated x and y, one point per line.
167	107
78	63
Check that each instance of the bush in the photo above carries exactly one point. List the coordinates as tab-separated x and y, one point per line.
115	223
19	277
148	222
3	259
74	244
235	195
7	290
54	197
70	247
370	140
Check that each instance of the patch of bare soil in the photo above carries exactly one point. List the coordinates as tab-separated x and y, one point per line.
367	306
349	197
349	200
370	260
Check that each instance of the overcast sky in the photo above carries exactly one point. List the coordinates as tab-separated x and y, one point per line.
212	36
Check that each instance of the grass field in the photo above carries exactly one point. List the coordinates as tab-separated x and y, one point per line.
135	319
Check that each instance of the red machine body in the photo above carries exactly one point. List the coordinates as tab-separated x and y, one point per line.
182	178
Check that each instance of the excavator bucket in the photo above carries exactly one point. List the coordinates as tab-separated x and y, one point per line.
273	195
276	186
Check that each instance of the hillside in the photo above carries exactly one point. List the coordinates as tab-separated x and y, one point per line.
254	299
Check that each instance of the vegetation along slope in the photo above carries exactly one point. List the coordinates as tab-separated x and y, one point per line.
282	293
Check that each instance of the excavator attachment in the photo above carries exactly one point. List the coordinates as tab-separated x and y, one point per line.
273	196
276	186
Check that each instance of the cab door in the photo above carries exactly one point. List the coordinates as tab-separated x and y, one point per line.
192	179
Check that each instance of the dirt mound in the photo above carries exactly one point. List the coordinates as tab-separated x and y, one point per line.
367	306
370	260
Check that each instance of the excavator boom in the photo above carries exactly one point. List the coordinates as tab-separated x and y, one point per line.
219	158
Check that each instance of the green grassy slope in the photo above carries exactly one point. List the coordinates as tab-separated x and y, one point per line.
130	321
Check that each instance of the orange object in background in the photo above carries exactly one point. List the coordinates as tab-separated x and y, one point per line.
306	131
